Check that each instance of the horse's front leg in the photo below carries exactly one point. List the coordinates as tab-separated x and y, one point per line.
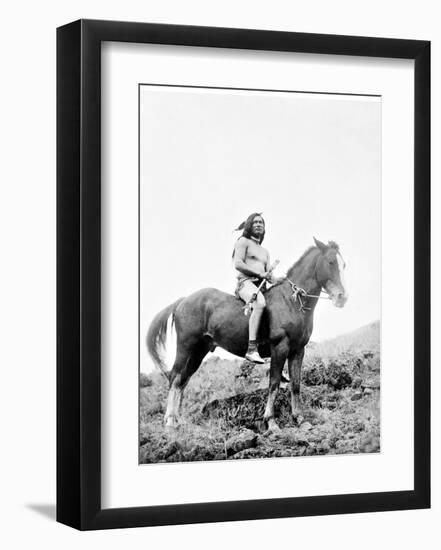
294	368
279	353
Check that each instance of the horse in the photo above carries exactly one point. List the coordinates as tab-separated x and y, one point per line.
209	318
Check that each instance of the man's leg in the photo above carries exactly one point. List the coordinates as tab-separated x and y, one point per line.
246	292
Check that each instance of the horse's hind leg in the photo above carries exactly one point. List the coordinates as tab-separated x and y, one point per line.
186	364
197	356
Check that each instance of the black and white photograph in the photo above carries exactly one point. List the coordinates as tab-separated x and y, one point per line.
219	237
259	273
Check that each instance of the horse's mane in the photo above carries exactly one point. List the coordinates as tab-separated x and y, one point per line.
331	244
300	260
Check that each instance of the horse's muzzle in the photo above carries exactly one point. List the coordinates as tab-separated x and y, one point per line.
337	294
339	299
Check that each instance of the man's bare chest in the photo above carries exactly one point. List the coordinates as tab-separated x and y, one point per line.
256	253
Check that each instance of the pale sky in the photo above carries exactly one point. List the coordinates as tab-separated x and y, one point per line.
208	158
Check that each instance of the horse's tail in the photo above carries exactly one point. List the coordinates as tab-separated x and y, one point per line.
157	335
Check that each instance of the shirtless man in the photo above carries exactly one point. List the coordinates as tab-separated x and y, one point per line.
252	264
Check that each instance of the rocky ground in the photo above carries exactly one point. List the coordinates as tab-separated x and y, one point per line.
224	404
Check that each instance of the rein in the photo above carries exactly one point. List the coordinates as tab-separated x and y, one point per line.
298	293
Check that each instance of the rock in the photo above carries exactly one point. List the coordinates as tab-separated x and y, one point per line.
306	426
244	440
372	385
357	396
357	381
368	391
246	410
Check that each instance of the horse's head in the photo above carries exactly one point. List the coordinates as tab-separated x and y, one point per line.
330	272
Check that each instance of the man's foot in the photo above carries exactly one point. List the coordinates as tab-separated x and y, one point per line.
254	357
253	354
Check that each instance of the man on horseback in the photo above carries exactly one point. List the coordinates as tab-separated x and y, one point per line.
209	317
252	265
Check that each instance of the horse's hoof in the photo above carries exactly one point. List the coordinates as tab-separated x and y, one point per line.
273	427
171	423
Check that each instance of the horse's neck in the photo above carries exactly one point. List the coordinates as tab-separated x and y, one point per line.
303	273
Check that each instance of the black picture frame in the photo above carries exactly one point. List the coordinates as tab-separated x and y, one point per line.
79	274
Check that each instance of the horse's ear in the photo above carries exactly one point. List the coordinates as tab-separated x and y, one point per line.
321	246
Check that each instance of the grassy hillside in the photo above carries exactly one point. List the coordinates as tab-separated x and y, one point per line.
362	339
225	399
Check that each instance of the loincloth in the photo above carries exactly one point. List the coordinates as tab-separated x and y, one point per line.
255	280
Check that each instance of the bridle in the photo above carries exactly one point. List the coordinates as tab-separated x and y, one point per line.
298	293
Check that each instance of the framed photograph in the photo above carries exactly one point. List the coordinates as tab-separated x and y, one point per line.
243	300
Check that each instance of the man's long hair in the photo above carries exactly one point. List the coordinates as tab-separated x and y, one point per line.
247	227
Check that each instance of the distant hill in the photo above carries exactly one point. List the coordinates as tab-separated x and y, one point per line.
363	338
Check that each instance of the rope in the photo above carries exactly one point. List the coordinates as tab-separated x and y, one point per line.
298	293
